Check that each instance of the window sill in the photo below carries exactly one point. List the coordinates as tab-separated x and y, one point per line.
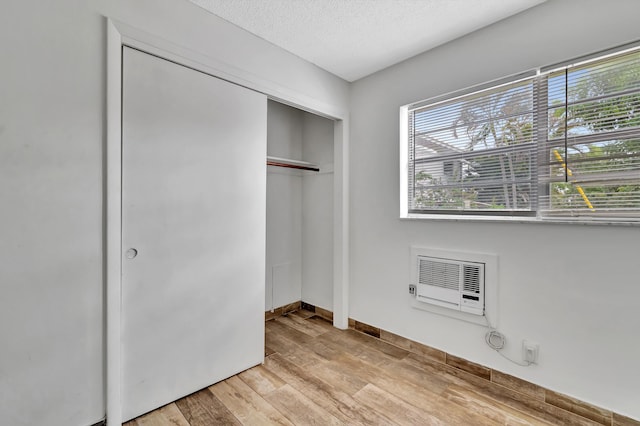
522	220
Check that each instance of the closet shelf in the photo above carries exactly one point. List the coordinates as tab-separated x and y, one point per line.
292	164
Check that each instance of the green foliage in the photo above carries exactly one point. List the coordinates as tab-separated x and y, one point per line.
600	102
617	110
502	120
431	194
618	156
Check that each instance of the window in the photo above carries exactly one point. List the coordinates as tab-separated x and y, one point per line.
561	144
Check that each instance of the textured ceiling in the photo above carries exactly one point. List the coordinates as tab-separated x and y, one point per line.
355	38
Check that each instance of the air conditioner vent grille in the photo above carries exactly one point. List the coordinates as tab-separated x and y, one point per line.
453	283
439	274
471	277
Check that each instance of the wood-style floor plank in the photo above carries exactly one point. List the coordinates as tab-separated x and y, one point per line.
405	370
372	342
280	328
204	409
290	349
261	380
316	374
298	338
418	395
321	322
340	340
268	351
302	325
325	395
341	379
248	407
394	408
491	409
167	415
510	398
303	313
299	409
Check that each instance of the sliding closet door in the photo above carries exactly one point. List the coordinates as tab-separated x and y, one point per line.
193	230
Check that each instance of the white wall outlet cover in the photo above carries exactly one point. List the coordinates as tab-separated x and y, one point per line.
530	351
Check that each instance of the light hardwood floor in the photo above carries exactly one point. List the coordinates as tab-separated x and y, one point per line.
315	374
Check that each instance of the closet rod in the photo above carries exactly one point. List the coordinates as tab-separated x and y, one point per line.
292	164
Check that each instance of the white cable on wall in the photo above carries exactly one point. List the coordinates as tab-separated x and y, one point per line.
496	341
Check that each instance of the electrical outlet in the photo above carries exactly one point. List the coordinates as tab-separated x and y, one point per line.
530	351
412	289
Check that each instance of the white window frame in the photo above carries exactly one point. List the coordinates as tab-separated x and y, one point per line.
404	145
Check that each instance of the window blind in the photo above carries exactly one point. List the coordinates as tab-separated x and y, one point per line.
475	153
565	143
592	146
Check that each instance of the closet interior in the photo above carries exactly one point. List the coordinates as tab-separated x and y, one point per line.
299	252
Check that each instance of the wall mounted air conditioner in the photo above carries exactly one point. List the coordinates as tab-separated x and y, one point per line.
451	283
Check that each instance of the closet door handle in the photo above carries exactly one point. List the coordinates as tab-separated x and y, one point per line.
131	253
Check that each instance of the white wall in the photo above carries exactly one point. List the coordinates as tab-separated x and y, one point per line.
284	208
51	314
317	212
52	139
571	288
